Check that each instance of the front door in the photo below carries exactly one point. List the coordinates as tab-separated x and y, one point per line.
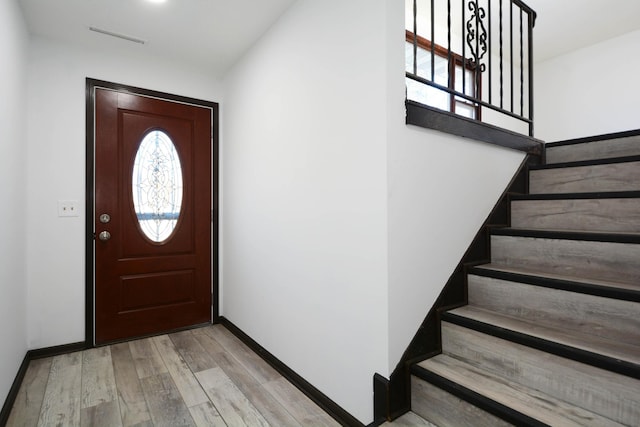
152	223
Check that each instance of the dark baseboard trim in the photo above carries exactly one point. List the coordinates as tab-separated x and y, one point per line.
476	399
433	118
589	358
602	137
13	391
22	370
322	400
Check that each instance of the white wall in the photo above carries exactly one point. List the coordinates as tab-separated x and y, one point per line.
305	196
56	169
13	50
441	190
590	91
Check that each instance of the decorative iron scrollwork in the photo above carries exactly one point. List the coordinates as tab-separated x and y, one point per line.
477	34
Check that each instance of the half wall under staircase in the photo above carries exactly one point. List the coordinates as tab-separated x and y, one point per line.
551	331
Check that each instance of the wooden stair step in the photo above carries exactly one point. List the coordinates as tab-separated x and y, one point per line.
612	355
606	393
518	404
612	215
619	174
537	277
613	319
601	256
600	147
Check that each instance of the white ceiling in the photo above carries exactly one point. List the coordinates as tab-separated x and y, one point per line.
209	33
215	33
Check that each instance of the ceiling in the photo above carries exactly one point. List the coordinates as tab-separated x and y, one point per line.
214	34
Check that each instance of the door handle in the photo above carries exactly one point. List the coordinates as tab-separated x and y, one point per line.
104	236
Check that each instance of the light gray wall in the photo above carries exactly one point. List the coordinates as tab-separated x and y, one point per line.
305	196
13	49
56	169
590	91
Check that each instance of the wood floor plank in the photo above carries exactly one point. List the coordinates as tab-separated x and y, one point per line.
253	363
106	414
299	405
184	379
62	396
132	403
192	351
26	407
146	358
232	404
206	415
98	381
165	402
273	411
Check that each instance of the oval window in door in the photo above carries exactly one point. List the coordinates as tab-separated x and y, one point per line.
157	186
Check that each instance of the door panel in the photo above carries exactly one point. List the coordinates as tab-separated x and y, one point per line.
141	286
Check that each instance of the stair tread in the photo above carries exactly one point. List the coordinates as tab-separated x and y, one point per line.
613	349
529	402
555	276
410	419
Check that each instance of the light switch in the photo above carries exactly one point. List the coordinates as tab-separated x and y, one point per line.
68	208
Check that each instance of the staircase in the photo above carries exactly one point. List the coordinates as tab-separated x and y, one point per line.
551	332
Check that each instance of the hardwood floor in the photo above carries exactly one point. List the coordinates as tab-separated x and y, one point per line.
199	377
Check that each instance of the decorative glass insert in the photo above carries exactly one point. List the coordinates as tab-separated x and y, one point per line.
157	186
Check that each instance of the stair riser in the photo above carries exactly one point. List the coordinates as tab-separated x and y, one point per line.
605	215
620	147
444	409
586	179
586	314
596	260
605	393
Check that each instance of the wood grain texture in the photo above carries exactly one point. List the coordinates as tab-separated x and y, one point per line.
611	395
527	401
299	405
185	381
615	320
62	398
617	262
98	381
26	408
146	358
206	415
192	351
445	410
133	406
253	363
615	349
165	403
150	382
106	414
586	179
605	149
231	403
600	215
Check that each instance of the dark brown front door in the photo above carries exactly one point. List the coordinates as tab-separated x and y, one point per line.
152	215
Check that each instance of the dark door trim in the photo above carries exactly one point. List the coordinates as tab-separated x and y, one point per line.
91	84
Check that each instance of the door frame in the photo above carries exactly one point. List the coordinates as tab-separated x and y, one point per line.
91	85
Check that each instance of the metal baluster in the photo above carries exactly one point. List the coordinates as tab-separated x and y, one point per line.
490	51
433	43
501	61
415	37
511	47
521	67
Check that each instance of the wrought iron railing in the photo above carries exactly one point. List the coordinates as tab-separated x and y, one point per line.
474	58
